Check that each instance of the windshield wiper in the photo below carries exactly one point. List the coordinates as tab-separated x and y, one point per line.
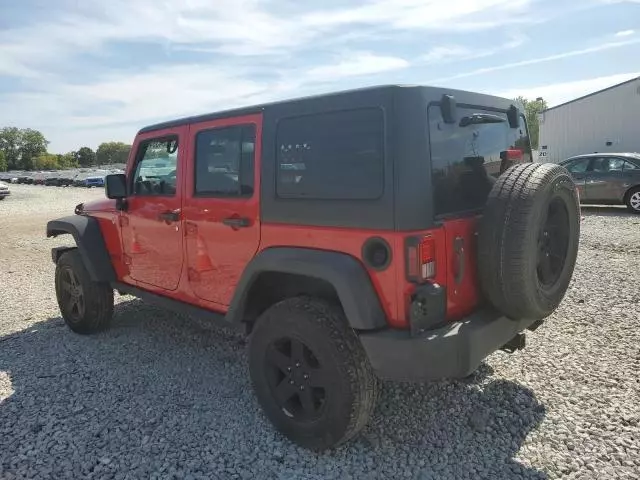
480	118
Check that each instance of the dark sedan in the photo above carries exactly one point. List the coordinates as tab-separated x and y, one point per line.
607	178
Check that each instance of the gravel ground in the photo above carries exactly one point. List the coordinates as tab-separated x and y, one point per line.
161	396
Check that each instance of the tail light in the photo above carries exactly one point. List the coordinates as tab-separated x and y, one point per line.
515	154
421	258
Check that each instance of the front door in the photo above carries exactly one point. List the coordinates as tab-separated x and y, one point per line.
578	170
221	208
152	223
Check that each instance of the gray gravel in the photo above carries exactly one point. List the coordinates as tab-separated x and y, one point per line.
161	396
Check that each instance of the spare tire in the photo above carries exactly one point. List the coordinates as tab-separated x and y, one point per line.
528	240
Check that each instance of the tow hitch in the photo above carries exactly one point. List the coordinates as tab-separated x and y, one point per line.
516	343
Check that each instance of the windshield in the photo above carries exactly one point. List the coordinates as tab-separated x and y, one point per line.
467	156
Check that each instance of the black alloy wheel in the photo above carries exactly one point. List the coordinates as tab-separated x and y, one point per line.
553	243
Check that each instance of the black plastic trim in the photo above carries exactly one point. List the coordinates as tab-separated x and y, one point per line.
88	237
177	306
453	351
345	273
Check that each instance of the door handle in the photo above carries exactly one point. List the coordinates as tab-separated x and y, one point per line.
458	246
169	216
236	222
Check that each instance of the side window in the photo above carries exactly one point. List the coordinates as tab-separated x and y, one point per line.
615	164
224	161
630	166
578	166
337	155
156	170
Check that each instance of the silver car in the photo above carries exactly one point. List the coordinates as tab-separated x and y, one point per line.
607	178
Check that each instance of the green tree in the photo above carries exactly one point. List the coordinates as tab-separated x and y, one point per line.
112	152
10	141
532	109
85	157
68	160
22	147
46	161
33	145
3	162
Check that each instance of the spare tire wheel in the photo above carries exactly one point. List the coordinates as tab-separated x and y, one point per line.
528	240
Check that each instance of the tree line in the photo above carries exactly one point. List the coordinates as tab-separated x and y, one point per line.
26	149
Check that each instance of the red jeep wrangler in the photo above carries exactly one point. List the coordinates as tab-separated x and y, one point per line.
392	232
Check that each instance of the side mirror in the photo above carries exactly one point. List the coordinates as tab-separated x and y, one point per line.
116	186
513	115
448	108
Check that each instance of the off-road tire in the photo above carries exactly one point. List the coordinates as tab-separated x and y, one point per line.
97	297
353	388
510	234
634	191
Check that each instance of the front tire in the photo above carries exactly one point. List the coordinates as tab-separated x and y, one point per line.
633	200
85	305
310	373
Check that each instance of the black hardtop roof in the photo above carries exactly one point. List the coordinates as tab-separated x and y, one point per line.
432	91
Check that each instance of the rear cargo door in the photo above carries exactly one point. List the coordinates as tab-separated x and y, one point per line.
466	158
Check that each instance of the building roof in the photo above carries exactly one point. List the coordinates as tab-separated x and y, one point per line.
592	94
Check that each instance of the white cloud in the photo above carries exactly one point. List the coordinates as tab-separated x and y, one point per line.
355	65
625	33
558	93
449	53
535	61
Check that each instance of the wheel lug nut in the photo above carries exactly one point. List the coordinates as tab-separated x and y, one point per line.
288	369
298	365
305	376
301	388
291	382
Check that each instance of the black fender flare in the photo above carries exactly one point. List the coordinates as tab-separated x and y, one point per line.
344	272
88	237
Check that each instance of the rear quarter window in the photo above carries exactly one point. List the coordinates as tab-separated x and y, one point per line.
466	160
335	155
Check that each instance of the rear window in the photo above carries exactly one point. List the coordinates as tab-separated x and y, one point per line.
468	156
336	155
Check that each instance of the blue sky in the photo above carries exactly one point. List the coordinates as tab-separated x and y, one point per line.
93	71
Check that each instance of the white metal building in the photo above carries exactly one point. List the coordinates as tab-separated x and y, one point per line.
604	121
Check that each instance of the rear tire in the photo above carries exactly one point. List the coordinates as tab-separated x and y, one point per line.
85	305
310	373
633	200
528	240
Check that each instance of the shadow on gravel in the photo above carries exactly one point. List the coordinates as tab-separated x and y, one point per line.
161	396
607	211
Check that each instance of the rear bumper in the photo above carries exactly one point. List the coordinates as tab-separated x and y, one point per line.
453	351
4	193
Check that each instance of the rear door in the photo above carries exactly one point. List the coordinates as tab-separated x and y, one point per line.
466	159
221	207
605	180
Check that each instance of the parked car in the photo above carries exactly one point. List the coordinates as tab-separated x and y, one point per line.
52	180
4	190
353	236
607	178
